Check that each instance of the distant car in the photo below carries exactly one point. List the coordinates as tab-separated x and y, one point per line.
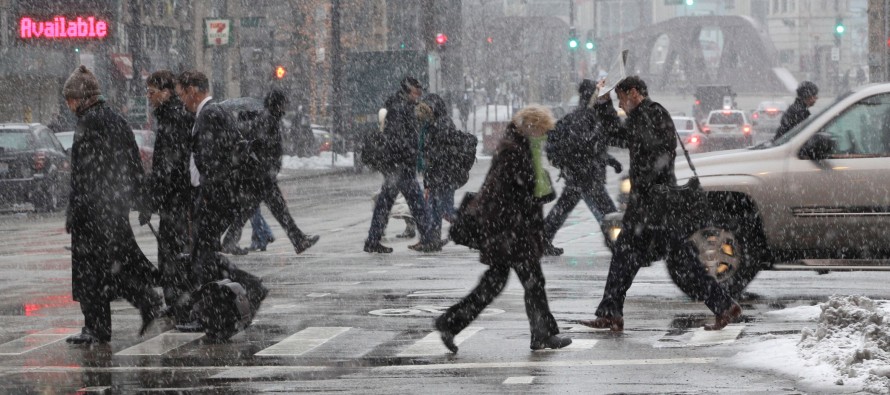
689	132
66	138
145	139
34	166
768	115
323	139
728	129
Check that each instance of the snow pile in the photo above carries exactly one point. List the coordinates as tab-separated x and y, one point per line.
320	162
852	336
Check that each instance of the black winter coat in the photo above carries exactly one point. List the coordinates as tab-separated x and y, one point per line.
106	176
795	114
512	218
214	146
401	133
442	148
169	184
267	144
584	163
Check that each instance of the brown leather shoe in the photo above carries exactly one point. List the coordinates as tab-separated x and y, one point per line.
614	324
725	318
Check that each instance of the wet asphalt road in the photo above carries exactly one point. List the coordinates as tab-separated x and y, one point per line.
340	320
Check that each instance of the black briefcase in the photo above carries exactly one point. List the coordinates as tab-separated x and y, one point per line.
466	229
223	308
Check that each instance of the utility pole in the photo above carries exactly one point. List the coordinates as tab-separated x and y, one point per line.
338	125
574	52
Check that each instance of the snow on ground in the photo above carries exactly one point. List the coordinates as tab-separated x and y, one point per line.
320	162
848	350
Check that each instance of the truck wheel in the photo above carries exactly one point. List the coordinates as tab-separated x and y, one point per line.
724	249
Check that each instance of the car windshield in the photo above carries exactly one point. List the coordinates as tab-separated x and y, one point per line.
67	139
720	118
683	124
795	130
16	139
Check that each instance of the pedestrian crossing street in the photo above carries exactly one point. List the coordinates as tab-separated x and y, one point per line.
358	342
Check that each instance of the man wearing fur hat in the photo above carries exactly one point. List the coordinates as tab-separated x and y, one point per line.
510	210
578	149
106	178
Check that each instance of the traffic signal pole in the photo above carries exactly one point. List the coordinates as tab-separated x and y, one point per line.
338	125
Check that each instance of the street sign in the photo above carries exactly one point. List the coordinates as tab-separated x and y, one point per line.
218	31
252	21
835	54
673	2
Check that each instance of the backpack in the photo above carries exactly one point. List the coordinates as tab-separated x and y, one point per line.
567	149
465	156
558	147
373	151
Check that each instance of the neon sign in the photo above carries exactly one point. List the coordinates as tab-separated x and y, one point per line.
61	27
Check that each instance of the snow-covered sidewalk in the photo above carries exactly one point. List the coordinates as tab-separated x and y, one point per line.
847	351
321	162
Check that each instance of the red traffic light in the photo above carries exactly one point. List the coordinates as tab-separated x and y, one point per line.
441	39
491	40
280	72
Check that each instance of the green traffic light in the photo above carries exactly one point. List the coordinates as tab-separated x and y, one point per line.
839	29
690	2
590	45
573	43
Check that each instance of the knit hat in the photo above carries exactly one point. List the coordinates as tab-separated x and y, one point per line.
586	90
81	84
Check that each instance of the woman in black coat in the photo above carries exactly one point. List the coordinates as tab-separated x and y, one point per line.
510	205
441	173
106	262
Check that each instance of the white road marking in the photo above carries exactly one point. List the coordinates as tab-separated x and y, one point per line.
431	344
254	372
161	344
377	271
89	390
519	380
36	340
577	344
317	295
303	341
438	292
727	335
546	364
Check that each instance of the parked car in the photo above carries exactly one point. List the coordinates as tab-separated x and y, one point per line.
768	115
34	166
66	138
692	137
728	129
323	140
818	198
145	139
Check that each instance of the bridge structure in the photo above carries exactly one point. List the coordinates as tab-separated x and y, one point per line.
684	52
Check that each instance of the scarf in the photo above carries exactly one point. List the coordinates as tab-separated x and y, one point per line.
542	179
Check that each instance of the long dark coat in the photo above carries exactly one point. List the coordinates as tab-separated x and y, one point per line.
512	217
401	133
105	180
267	144
442	170
584	163
169	184
795	114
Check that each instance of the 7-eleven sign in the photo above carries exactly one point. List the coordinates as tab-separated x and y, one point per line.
218	31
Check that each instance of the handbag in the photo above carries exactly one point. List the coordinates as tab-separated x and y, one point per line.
684	208
466	229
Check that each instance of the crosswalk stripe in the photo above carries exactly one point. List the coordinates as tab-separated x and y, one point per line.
36	340
574	363
161	344
519	380
303	341
431	344
700	337
577	344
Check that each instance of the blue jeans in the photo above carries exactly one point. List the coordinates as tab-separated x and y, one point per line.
262	233
441	203
406	183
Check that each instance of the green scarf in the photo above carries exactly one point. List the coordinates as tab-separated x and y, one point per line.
542	179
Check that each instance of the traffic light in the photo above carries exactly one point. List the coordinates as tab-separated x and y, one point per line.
590	45
573	38
441	40
280	72
489	40
839	28
690	2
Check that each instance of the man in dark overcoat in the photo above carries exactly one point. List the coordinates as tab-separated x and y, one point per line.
261	185
401	137
510	208
212	164
797	112
583	165
168	187
106	178
651	139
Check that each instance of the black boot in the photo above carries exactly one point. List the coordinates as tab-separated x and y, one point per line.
308	241
86	336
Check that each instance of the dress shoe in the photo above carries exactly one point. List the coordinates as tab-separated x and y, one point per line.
550	250
377	248
448	340
433	246
308	241
553	342
193	326
234	250
614	324
725	318
86	336
407	234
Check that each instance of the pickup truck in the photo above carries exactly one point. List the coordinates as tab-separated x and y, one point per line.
818	198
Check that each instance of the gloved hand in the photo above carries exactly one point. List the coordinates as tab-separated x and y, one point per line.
144	217
614	163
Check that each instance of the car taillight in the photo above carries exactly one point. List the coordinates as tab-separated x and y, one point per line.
755	115
693	140
39	160
746	129
772	110
698	102
706	129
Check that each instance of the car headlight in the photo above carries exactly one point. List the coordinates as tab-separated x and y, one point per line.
625	186
614	232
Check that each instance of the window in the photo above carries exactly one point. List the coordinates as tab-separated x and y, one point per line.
863	130
46	141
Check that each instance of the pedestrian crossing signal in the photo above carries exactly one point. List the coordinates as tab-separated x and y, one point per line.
280	72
